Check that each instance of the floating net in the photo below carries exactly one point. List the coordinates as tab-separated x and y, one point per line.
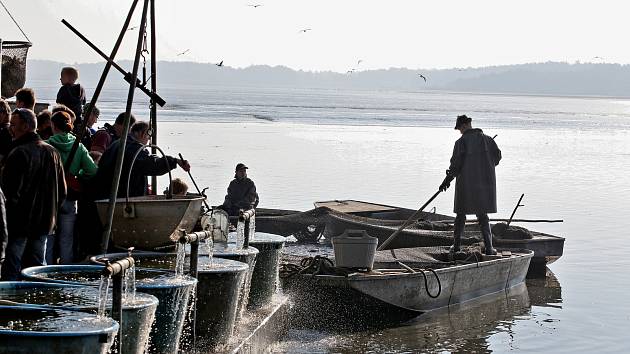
14	55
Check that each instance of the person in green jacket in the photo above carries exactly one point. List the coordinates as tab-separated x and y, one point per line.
82	167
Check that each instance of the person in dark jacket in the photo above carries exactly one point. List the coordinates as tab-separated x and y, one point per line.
107	135
25	98
241	193
5	134
44	125
34	186
145	164
70	93
474	157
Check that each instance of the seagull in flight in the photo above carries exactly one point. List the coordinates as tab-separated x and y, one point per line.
304	30
184	52
254	5
132	28
422	76
220	64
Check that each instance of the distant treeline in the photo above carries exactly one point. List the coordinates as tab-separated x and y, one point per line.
551	78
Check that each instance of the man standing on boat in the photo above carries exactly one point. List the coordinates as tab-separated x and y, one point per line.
241	193
475	156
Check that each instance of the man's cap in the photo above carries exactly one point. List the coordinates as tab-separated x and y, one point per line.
463	119
240	166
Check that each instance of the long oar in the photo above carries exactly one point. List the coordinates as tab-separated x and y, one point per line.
195	183
409	221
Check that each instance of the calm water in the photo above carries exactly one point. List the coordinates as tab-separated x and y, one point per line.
569	156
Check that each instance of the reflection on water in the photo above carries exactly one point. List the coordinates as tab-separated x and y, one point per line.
475	326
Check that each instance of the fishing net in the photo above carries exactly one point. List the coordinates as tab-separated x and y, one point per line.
14	55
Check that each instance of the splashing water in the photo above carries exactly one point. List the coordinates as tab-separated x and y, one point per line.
252	227
208	246
129	294
102	295
240	235
181	258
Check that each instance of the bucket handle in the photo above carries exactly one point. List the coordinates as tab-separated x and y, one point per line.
169	194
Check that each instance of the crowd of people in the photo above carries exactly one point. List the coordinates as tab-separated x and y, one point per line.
48	189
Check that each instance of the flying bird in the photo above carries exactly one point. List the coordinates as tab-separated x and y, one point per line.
254	5
422	76
220	64
304	30
184	52
132	28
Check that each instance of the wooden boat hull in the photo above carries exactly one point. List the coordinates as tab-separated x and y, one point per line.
404	295
382	223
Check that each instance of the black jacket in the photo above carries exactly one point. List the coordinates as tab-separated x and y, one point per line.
241	194
72	96
474	157
5	141
145	165
34	185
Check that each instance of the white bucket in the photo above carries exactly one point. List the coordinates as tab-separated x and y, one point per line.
354	249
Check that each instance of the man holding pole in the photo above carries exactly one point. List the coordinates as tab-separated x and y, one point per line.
475	156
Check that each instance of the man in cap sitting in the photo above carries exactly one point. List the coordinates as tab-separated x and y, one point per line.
474	157
241	193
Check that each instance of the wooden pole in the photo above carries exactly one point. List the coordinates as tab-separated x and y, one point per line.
153	105
123	139
518	204
101	81
411	219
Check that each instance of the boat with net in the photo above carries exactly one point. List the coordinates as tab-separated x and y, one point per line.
401	286
431	229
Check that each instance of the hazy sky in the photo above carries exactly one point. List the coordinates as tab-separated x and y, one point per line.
393	33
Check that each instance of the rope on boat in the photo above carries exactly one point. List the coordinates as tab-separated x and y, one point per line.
313	266
426	283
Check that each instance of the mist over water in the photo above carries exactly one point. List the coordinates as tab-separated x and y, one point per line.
568	155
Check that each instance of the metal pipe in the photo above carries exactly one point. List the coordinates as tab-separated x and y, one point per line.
118	266
153	78
246	214
246	232
127	75
101	83
123	139
194	236
117	290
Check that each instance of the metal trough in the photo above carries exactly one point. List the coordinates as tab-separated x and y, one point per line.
33	330
151	221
